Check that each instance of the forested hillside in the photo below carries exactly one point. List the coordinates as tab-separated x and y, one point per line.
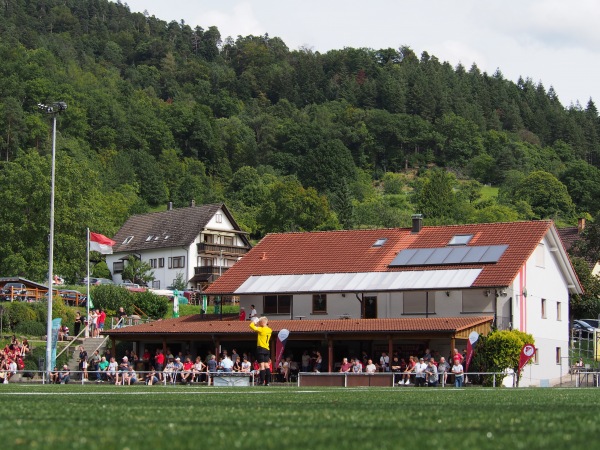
289	139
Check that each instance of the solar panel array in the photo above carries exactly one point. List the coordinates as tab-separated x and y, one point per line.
449	255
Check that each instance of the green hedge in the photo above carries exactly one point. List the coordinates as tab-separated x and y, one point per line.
31	328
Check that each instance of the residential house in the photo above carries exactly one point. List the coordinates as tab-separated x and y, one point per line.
199	243
395	290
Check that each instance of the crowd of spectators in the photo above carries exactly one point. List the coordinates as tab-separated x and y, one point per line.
11	358
425	370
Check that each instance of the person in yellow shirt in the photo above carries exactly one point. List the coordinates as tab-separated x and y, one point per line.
263	355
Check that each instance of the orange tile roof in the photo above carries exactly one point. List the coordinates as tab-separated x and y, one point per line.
193	325
352	251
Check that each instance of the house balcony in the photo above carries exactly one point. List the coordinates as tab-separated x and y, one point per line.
210	270
218	249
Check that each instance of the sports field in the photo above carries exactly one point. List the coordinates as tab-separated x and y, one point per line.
172	417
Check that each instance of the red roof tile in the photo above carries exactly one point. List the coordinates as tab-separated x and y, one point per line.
352	251
193	325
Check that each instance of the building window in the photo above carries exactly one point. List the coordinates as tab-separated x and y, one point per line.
177	262
161	262
277	304
461	239
127	240
156	284
118	266
219	218
535	358
558	311
228	240
153	263
419	303
540	256
319	303
543	308
558	355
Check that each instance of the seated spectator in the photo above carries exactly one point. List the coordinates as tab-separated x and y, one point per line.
187	374
169	371
64	375
226	363
129	377
63	333
111	374
152	377
346	366
371	368
198	369
285	369
11	369
102	369
123	369
443	368
246	367
54	376
409	368
357	366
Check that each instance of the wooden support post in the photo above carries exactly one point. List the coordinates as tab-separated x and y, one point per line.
330	354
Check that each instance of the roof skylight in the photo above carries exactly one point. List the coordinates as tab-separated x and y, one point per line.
379	242
461	239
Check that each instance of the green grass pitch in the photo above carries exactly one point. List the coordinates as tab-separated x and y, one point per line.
173	417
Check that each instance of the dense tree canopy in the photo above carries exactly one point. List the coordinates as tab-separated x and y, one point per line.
290	139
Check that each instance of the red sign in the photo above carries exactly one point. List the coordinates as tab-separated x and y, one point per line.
527	353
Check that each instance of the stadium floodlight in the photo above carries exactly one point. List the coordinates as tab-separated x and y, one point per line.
53	109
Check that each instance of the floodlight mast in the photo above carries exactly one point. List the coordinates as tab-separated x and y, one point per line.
53	109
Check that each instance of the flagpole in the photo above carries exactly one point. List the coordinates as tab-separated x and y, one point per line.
87	301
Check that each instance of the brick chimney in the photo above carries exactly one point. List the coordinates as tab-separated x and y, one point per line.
580	224
417	223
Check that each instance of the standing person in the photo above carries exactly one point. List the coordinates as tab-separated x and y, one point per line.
318	365
82	358
457	370
121	314
253	313
419	371
101	320
77	324
262	347
432	374
305	361
211	369
242	314
93	323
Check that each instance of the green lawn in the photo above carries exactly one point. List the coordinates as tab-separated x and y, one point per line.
115	417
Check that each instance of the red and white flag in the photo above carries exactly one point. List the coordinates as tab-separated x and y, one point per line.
101	243
527	353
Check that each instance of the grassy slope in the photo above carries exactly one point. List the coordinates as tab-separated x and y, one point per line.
277	417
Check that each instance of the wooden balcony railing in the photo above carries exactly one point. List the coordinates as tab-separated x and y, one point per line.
224	249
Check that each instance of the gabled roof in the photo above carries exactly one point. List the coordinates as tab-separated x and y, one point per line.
194	325
353	251
174	228
568	236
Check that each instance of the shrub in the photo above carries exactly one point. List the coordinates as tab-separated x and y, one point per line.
498	351
18	312
31	328
111	297
155	306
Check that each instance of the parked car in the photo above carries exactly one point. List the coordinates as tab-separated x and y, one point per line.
584	328
16	290
70	296
97	281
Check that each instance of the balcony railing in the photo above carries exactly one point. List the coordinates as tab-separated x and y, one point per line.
210	270
224	249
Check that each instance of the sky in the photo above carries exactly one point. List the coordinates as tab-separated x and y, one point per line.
556	42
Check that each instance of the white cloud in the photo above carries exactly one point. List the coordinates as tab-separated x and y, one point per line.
239	21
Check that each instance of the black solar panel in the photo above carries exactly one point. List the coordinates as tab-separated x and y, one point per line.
449	255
